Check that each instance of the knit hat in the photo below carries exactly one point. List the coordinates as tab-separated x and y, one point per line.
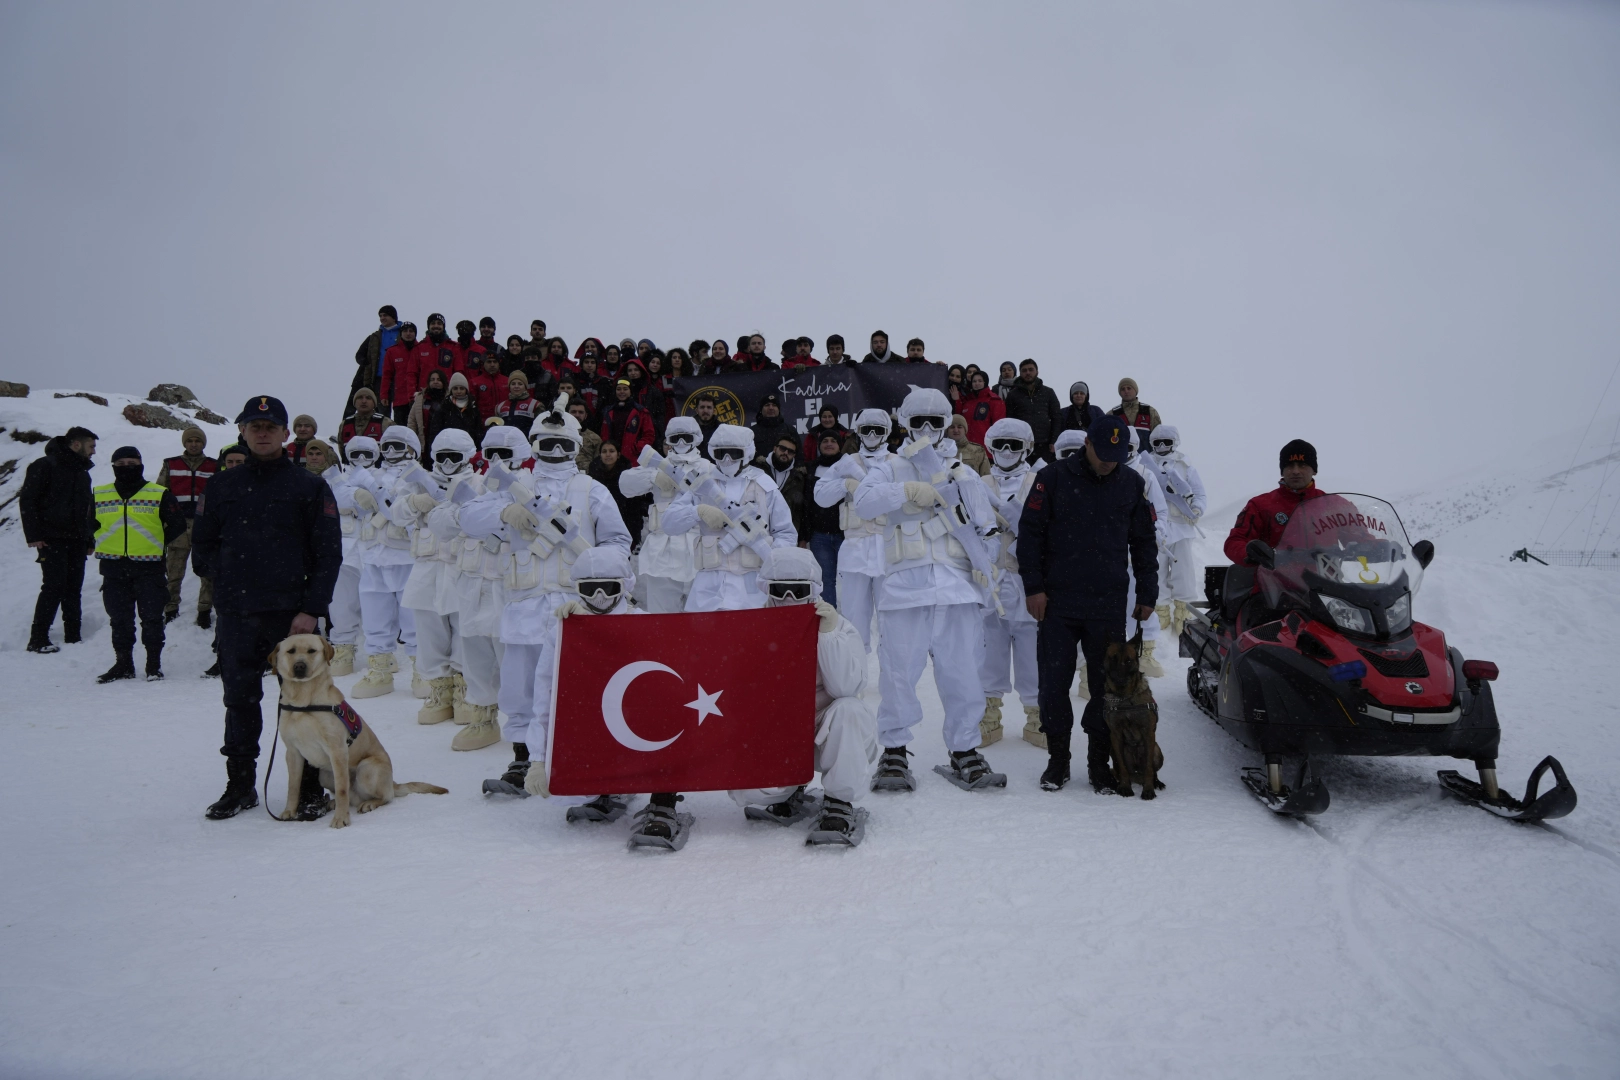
331	455
1297	450
1110	439
1079	388
457	379
304	418
1130	382
519	378
364	391
193	429
125	452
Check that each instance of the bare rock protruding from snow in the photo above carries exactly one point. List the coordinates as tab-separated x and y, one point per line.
209	416
154	416
13	389
97	398
169	393
30	436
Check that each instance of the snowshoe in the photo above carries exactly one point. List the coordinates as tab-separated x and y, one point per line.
1555	803
1055	776
1308	795
601	808
660	826
511	781
839	823
969	771
893	774
795	808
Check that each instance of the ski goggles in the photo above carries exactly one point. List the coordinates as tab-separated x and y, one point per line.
681	444
449	457
917	423
1016	446
1163	446
600	592
788	590
499	453
394	451
872	431
555	444
362	457
1068	451
727	453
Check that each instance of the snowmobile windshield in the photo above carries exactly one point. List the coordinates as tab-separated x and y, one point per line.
1347	555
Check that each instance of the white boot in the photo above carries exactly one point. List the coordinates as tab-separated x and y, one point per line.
1150	667
990	725
419	685
437	708
342	662
378	679
1183	615
393	663
1166	616
461	712
481	730
1032	726
1084	692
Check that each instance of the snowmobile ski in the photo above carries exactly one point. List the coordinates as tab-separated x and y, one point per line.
1556	802
501	787
680	826
1308	796
798	806
820	837
603	808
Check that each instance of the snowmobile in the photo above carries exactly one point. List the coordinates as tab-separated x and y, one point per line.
1312	652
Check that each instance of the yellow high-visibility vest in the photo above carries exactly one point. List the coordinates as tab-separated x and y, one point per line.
129	528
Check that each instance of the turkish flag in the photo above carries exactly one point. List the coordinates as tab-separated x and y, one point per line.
691	702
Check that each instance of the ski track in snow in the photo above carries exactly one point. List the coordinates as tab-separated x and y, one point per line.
1000	934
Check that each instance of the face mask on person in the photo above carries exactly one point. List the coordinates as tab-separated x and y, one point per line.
555	449
872	436
728	459
927	427
601	595
682	445
395	452
788	593
363	458
449	462
1008	453
129	474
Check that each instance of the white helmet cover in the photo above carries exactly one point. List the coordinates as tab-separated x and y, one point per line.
1068	442
683	425
504	436
925	401
603	563
556	424
731	435
458	440
873	418
365	443
399	433
1009	427
788	564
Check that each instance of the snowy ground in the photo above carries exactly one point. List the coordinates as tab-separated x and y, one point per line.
1014	933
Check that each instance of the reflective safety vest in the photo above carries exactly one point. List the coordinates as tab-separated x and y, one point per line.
187	484
129	528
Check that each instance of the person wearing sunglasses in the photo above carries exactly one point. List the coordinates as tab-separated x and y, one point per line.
547	521
665	563
860	556
603	583
1179	564
928	604
738	515
846	736
385	564
1011	631
343	614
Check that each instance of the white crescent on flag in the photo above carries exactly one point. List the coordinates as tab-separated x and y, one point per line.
613	705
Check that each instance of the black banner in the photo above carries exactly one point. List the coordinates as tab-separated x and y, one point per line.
804	392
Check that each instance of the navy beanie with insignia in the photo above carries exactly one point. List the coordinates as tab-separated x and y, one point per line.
1109	439
1295	452
263	407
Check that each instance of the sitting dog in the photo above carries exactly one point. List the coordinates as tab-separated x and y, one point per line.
1133	720
319	727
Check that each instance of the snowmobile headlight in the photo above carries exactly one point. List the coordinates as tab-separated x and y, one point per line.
1400	614
1357	620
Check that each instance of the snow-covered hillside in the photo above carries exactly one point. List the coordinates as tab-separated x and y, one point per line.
1014	933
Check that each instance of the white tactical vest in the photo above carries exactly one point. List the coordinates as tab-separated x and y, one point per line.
742	559
855	526
1011	507
913	537
539	567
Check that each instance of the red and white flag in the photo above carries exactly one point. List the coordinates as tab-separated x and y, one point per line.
689	702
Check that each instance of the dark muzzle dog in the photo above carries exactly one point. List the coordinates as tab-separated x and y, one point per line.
1133	720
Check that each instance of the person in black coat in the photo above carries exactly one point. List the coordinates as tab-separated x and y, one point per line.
1086	520
770	425
267	534
58	520
1080	413
457	409
1033	402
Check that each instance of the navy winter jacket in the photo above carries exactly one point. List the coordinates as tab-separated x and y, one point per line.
1078	533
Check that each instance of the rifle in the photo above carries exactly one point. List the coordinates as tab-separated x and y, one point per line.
752	531
928	462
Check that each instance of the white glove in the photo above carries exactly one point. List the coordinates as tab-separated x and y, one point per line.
713	516
421	502
364	499
534	782
850	484
521	518
921	493
663	481
572	607
829	616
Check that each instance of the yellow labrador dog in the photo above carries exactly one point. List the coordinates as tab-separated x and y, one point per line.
319	727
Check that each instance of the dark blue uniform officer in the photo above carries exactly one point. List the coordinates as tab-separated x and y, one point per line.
267	533
1084	521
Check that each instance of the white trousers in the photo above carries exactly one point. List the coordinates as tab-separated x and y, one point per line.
516	697
857	596
344	613
386	622
437	644
664	596
846	750
1180	575
1004	637
481	668
953	635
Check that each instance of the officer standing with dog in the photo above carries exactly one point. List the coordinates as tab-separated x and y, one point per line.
1086	525
267	534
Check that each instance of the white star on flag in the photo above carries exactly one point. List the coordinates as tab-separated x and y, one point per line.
706	704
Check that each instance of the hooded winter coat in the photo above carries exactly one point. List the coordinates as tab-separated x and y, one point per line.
55	500
981	408
1036	405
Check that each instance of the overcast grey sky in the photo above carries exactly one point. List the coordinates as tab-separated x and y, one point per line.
1391	228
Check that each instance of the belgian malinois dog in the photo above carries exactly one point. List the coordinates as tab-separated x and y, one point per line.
1133	719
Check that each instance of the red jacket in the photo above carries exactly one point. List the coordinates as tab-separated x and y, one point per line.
634	424
443	357
982	408
399	374
793	362
1264	517
187	484
488	390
